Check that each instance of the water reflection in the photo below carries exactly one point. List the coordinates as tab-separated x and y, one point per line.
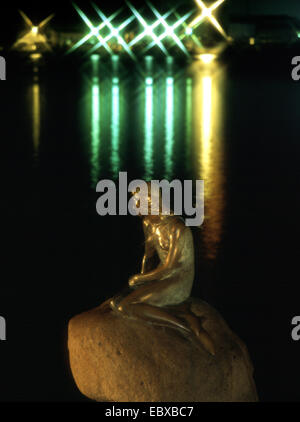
149	118
115	117
207	117
115	127
169	127
105	115
187	135
95	122
188	121
36	117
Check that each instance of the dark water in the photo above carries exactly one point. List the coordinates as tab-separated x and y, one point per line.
234	124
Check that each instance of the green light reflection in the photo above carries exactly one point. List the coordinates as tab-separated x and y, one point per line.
115	127
148	148
95	122
169	127
96	135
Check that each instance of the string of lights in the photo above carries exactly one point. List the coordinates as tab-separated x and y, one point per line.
166	31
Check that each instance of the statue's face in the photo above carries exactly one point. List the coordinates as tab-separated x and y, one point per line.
143	204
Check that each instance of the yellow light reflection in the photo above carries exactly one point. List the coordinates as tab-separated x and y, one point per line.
207	58
206	114
35	56
209	151
188	120
36	117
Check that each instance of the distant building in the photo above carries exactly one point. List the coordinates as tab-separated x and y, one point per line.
264	29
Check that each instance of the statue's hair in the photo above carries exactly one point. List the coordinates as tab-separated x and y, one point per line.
150	193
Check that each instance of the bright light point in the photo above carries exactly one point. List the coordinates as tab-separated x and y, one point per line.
298	35
115	58
189	31
95	57
169	31
206	13
170	81
251	41
115	32
115	81
207	58
34	30
95	31
149	81
35	56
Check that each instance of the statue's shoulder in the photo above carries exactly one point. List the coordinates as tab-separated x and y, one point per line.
178	225
182	232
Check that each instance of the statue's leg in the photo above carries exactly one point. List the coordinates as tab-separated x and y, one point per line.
201	334
152	314
195	324
136	305
114	302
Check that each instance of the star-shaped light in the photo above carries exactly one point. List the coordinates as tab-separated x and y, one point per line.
115	32
148	29
35	28
169	29
34	35
207	13
94	30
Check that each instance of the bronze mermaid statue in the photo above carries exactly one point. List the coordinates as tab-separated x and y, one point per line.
159	294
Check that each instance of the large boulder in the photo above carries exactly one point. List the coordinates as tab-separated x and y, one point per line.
114	358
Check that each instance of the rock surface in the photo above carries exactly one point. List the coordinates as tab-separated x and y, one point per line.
113	358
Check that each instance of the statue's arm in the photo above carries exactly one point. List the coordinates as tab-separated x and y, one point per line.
149	252
147	258
170	263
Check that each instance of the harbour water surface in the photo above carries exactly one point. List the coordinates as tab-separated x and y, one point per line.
234	125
